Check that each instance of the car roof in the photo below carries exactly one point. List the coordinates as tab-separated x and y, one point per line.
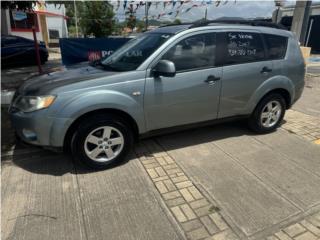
174	29
14	36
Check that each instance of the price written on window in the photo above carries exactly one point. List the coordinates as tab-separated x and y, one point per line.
240	44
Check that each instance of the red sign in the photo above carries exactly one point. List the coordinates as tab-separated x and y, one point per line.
94	56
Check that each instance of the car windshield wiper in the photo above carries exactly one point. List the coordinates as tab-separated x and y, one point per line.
99	63
95	63
108	66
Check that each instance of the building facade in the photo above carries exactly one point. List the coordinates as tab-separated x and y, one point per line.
313	30
49	21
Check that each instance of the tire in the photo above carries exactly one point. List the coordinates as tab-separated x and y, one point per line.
264	120
102	141
43	59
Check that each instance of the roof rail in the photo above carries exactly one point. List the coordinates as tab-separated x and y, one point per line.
176	24
244	22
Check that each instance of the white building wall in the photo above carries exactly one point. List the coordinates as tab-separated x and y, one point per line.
29	35
56	22
53	22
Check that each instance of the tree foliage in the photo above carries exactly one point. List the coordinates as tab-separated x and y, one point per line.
177	21
96	18
140	26
131	19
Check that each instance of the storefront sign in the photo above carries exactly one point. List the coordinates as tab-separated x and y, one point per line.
19	15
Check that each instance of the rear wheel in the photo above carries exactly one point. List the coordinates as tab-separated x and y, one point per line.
102	141
268	114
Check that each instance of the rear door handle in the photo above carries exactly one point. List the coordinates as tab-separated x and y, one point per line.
211	79
266	70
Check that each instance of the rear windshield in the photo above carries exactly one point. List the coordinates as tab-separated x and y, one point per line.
276	46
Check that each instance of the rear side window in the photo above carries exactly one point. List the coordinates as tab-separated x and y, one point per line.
276	46
243	47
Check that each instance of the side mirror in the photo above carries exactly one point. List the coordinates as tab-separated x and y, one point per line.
164	68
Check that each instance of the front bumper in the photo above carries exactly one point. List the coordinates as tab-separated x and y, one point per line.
38	129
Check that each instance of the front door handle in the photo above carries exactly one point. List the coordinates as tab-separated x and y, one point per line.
266	70
211	79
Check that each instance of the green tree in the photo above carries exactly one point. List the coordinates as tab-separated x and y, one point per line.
96	18
177	21
131	22
131	19
140	26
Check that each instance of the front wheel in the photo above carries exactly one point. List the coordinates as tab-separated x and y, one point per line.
268	114
102	141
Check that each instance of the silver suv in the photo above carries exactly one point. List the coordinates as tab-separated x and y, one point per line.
172	76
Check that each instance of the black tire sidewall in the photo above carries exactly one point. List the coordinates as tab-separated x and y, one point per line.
83	131
255	122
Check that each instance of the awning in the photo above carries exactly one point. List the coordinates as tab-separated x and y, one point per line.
51	14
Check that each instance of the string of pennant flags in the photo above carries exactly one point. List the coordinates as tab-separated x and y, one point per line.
174	7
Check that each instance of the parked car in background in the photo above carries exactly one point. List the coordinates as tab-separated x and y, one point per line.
20	51
170	77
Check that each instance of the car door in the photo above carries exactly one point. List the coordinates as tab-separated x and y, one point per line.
193	94
245	69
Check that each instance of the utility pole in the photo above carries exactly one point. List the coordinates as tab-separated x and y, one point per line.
146	14
301	19
279	4
76	17
206	13
36	44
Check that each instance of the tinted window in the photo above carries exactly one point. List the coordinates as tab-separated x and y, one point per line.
276	46
53	34
193	52
243	47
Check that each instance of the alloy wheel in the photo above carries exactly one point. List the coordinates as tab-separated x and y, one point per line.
271	114
104	144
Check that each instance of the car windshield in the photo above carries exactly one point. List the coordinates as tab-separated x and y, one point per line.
131	55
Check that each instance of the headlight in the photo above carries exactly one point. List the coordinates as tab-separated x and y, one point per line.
33	103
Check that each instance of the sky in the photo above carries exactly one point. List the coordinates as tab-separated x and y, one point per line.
230	8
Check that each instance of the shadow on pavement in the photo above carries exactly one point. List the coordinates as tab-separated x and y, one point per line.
204	135
40	161
46	162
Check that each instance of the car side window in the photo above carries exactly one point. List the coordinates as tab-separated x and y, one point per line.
193	52
276	46
243	47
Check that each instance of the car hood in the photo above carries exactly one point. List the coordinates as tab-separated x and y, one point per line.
43	84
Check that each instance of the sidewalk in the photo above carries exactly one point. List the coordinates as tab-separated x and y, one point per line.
49	196
215	183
